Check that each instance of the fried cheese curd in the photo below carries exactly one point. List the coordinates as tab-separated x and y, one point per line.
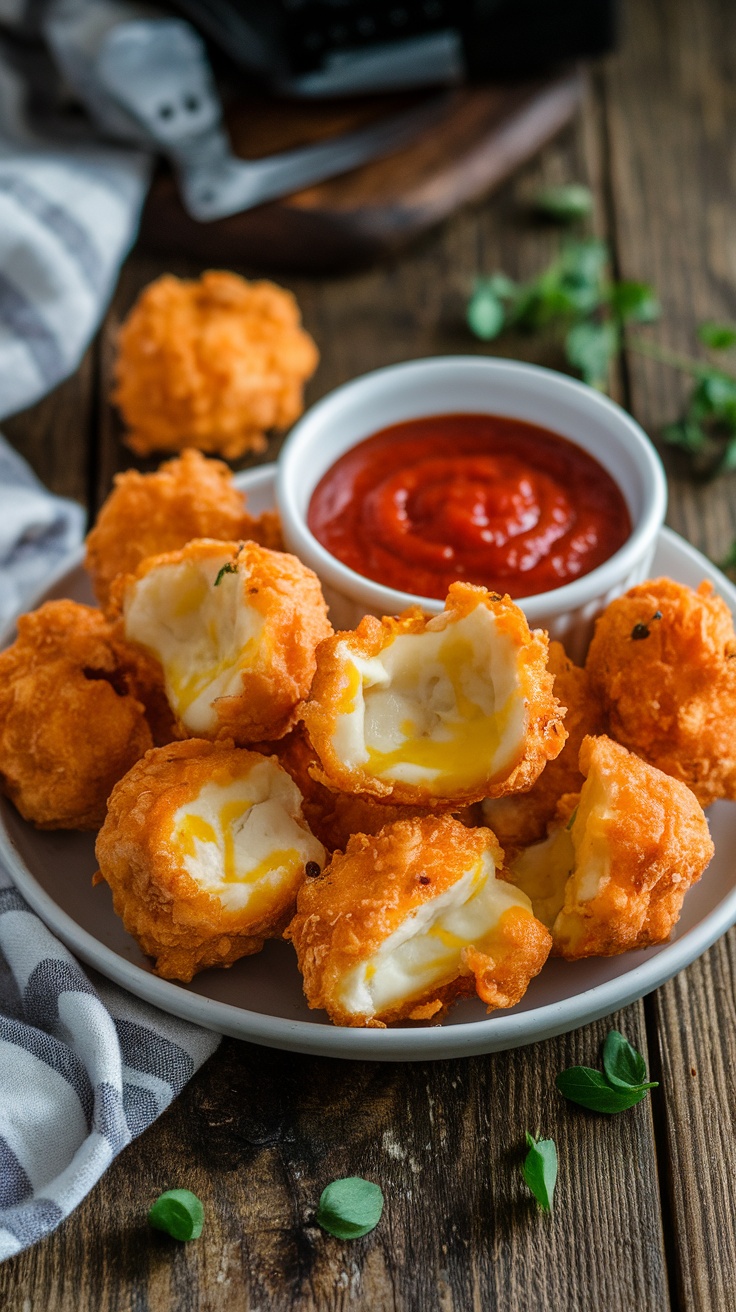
407	921
149	514
663	658
72	716
521	818
435	712
204	847
615	868
333	816
213	363
234	629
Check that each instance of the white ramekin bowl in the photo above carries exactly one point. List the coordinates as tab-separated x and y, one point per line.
475	385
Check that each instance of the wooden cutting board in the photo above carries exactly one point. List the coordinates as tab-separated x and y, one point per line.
483	135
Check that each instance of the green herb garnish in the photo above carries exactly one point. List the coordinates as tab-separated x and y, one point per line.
565	204
350	1208
718	336
625	1068
620	1085
572	296
179	1213
573	818
539	1169
230	568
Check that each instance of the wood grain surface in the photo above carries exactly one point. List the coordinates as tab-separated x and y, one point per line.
643	1214
478	138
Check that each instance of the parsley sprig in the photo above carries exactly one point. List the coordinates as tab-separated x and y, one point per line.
621	1084
574	296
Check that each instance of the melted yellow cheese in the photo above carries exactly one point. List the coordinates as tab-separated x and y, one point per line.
426	951
241	839
204	636
441	709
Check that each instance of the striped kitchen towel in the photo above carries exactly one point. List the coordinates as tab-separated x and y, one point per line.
84	1067
69	210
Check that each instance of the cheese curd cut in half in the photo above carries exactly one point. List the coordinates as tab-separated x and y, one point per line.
614	871
409	920
440	711
204	848
521	818
234	629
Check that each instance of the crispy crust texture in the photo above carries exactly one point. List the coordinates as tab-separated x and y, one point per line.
544	736
658	843
332	816
149	514
668	684
213	364
289	599
173	919
72	720
522	818
361	897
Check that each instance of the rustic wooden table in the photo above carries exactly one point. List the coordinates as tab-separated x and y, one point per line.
644	1217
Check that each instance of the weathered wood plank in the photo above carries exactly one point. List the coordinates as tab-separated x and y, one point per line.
671	107
258	1134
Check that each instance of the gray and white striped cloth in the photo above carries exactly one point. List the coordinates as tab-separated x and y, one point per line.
84	1067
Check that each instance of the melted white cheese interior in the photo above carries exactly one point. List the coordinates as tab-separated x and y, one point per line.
543	870
573	864
203	635
425	951
440	709
592	855
239	839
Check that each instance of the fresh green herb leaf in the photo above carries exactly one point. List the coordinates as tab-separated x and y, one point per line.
718	336
625	1068
539	1169
179	1213
687	434
502	286
727	462
485	313
566	204
572	819
589	1088
589	347
350	1208
230	568
634	302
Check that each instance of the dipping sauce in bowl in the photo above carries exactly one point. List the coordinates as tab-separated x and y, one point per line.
484	498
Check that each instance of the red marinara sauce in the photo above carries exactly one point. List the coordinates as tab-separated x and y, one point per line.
483	498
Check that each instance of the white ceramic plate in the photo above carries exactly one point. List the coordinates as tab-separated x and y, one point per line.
260	998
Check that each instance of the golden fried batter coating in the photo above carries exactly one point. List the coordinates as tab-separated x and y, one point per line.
521	818
234	629
334	816
663	658
409	920
72	720
149	514
436	712
213	363
613	874
204	847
